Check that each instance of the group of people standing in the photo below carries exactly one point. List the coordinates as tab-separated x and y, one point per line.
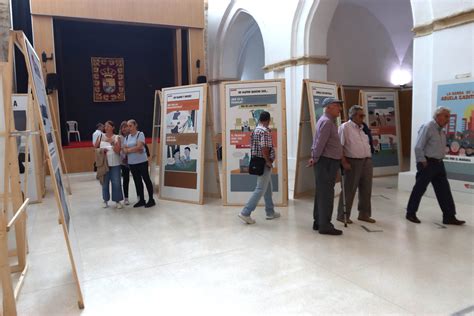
348	149
123	153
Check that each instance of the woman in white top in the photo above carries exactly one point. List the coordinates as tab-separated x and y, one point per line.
111	145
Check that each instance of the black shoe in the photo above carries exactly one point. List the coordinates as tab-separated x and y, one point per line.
413	218
150	203
331	231
315	226
453	221
140	203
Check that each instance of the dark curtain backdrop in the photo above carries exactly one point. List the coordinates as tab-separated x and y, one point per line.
149	65
21	22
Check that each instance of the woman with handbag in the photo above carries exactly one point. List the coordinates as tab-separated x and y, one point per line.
123	133
138	163
110	143
261	164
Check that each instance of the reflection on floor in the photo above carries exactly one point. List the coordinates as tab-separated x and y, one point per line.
181	259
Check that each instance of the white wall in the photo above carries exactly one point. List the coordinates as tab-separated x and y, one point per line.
253	58
366	43
439	56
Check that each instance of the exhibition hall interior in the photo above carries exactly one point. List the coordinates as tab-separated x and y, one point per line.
237	157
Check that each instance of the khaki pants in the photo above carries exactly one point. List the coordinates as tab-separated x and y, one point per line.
359	177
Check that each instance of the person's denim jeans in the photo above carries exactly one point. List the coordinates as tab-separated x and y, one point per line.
113	175
264	187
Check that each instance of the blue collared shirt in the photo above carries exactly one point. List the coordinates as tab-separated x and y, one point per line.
431	142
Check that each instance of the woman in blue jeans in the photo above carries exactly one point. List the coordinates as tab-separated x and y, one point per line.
110	143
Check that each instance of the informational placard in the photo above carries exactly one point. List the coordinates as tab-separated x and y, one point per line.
183	134
19	105
382	117
312	96
242	104
458	96
42	107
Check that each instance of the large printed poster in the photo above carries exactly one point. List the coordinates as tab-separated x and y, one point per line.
318	92
244	101
458	96
183	131
42	100
314	92
382	118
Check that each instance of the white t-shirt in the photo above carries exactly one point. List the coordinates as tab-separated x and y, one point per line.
113	159
96	136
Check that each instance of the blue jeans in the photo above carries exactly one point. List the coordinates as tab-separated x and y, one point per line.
264	185
113	175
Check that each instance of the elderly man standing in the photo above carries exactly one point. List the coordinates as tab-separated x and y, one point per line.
429	152
326	159
357	160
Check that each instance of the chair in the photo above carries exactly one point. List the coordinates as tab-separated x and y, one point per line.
72	128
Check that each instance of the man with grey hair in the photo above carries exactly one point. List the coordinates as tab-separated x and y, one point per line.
357	162
326	154
429	153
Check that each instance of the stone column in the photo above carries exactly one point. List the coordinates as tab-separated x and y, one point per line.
5	25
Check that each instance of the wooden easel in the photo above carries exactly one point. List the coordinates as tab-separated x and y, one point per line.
212	188
207	169
24	103
155	147
48	136
11	198
56	129
313	93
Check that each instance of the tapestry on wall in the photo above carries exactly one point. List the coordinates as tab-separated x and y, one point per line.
108	79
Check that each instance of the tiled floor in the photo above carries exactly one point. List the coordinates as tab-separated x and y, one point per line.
182	259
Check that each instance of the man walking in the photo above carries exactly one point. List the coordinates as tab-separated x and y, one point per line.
429	152
326	157
357	159
262	146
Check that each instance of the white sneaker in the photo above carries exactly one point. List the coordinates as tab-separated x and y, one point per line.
119	205
105	204
273	216
126	202
246	219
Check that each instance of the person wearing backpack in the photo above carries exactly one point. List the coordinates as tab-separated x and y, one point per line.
135	148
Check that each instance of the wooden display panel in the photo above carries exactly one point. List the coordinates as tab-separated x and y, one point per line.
383	118
312	96
186	137
43	112
155	146
242	103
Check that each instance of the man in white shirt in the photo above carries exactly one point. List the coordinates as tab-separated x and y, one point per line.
98	132
357	163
